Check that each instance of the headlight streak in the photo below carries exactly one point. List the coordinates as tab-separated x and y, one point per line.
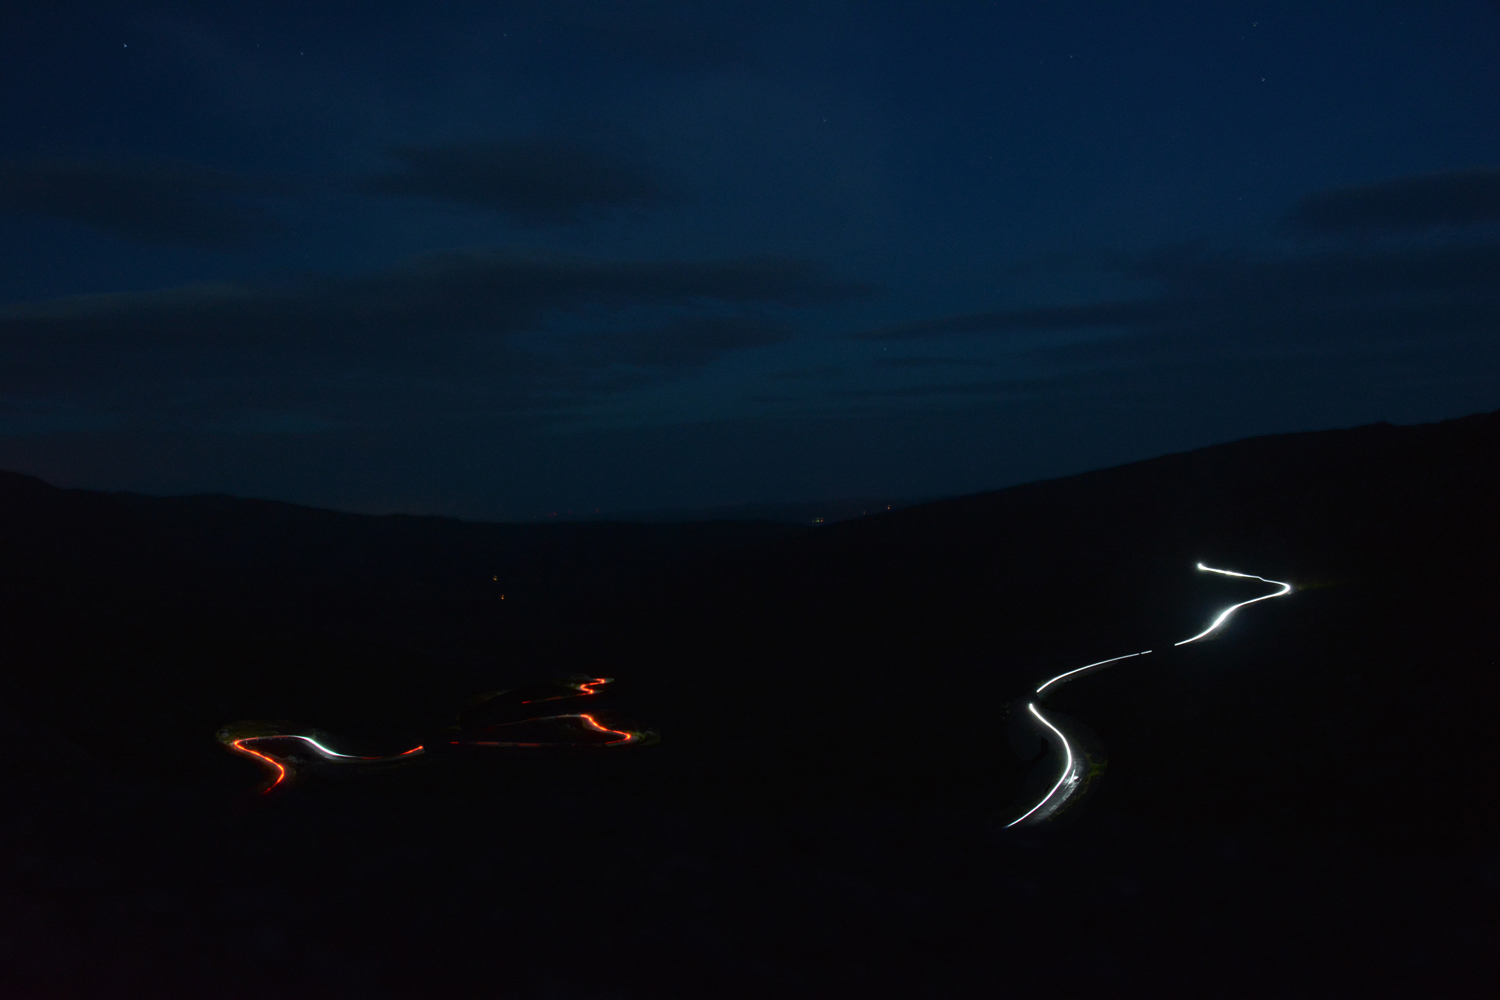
1067	773
1286	588
1091	666
1069	778
335	755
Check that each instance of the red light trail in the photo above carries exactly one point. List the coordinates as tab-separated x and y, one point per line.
277	768
283	749
591	723
584	687
283	766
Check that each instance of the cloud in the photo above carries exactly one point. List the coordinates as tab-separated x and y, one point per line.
925	362
537	182
803	374
455	333
1413	293
1048	318
993	388
690	342
450	293
154	202
1459	198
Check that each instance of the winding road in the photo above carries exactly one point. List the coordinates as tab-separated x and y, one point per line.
1075	764
285	749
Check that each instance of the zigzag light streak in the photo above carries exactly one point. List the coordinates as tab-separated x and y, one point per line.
1286	588
1223	616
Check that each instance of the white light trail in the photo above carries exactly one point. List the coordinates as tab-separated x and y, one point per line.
1286	588
1068	775
1067	768
1090	666
333	754
321	748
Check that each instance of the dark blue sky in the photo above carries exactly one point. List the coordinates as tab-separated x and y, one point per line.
499	259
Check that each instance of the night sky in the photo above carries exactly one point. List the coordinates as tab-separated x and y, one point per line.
501	259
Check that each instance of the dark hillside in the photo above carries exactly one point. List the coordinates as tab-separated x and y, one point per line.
182	610
924	623
1300	806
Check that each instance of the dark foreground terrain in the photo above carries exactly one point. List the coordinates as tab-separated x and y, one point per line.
1303	806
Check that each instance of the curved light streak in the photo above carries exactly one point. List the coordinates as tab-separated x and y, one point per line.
1223	616
1080	670
282	763
282	772
335	755
583	687
1067	767
1286	588
276	766
626	736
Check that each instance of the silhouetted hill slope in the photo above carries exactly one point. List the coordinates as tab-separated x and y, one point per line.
177	609
821	512
1364	502
724	628
873	660
1298	807
207	546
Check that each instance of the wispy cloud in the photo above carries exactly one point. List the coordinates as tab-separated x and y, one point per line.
536	182
479	330
928	362
1346	295
151	201
1428	289
1047	318
1005	387
1457	198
